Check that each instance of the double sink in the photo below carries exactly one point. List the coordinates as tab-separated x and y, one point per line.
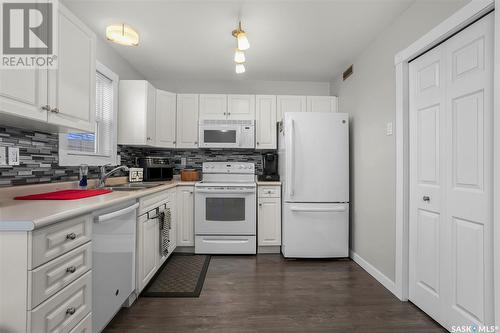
133	186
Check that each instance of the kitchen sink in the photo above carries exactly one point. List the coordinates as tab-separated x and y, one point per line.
133	186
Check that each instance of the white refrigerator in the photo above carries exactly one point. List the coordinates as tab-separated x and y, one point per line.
313	150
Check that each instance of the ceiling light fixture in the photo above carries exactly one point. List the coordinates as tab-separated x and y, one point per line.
241	36
239	56
122	34
240	68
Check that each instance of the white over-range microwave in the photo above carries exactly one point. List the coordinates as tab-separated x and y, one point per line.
227	133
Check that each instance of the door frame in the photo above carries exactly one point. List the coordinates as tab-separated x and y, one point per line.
461	19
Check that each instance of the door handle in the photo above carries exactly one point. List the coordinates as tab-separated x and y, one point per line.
112	215
426	198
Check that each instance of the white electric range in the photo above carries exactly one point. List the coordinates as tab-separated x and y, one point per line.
225	209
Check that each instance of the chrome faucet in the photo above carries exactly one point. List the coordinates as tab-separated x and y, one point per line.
103	175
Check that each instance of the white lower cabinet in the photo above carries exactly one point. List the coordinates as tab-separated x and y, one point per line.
185	216
269	217
147	247
48	284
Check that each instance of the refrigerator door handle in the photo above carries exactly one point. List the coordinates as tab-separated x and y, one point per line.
292	158
335	209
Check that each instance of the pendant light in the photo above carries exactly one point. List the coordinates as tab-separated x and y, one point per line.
241	37
239	56
122	34
240	68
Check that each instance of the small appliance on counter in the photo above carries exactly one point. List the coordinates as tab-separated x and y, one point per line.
156	168
270	168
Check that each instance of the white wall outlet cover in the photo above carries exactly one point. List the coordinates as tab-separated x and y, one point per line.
389	129
13	155
3	156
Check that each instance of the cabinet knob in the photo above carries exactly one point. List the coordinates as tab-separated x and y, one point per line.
71	311
426	198
46	108
148	138
260	205
225	113
196	142
71	269
174	142
258	143
71	236
54	110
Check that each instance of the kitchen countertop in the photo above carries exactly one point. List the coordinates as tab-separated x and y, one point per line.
271	183
27	215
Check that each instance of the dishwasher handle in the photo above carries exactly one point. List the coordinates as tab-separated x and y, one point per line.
112	215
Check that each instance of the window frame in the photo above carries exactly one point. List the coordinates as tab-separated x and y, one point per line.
73	158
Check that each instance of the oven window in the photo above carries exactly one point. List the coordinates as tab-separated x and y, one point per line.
219	136
225	209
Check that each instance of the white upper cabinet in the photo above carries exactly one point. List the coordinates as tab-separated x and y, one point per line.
322	104
187	121
23	93
137	113
72	86
241	107
59	98
165	119
213	106
289	103
265	122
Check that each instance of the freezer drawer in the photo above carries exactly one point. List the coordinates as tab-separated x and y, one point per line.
226	244
315	230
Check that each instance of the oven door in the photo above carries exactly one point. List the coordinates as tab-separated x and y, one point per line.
225	210
220	136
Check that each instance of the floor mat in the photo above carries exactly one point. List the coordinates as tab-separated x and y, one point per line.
183	275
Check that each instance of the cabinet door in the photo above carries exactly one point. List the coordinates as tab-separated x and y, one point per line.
185	216
187	121
241	107
165	119
321	104
150	114
269	220
23	93
173	225
265	124
72	85
213	106
148	252
290	104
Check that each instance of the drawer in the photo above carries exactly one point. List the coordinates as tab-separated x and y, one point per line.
52	241
48	279
85	326
269	191
63	311
225	244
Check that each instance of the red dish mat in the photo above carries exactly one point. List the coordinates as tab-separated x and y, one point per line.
64	195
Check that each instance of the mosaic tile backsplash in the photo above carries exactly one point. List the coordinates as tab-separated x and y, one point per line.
39	158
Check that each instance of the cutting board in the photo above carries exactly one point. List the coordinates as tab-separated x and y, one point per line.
64	195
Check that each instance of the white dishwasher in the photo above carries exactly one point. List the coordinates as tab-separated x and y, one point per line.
113	257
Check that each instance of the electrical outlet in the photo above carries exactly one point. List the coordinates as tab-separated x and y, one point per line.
13	156
389	129
3	156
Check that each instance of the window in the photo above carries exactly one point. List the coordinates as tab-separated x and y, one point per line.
96	148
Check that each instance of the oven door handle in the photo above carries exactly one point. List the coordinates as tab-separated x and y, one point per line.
225	192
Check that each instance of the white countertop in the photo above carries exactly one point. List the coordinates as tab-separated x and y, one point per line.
271	183
26	215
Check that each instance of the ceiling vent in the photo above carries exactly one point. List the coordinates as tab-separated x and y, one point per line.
348	72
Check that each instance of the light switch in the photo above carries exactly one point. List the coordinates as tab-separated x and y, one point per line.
3	156
13	155
388	130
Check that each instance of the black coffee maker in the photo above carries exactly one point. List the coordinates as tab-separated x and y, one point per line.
270	166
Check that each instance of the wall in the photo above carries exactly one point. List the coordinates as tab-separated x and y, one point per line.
111	59
244	87
369	97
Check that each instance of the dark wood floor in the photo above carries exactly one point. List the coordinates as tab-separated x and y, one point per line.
266	293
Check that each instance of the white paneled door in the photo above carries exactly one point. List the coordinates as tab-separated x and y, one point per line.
451	177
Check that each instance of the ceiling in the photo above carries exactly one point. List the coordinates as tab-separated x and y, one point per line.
290	40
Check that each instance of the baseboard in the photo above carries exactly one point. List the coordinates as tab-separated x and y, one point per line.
184	249
378	275
268	249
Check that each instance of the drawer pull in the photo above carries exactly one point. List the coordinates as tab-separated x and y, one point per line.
71	269
70	311
71	236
